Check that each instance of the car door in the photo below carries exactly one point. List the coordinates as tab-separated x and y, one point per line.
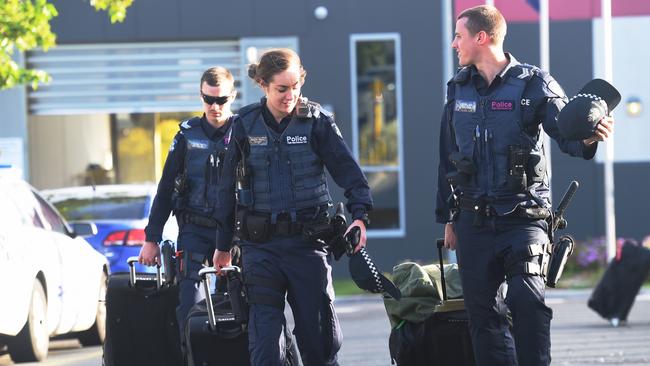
76	287
13	274
31	255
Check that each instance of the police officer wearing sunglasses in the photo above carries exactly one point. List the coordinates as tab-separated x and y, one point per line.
278	155
188	186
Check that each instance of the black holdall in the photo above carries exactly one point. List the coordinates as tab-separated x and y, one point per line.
579	119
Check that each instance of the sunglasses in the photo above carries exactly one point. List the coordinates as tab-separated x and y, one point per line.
208	99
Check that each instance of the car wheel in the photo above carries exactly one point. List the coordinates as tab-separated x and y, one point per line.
33	341
96	334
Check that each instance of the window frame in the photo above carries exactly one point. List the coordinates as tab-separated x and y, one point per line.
395	37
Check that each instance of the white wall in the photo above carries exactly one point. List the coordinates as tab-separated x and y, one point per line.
630	54
61	147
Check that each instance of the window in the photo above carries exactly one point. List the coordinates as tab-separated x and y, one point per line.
50	216
103	208
377	126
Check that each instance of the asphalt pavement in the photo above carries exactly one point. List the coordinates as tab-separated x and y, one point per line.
579	335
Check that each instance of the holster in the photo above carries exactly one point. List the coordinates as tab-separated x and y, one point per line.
561	251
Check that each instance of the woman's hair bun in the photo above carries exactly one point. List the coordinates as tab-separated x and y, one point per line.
252	71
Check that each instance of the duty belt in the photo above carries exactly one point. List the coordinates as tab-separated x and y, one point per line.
481	210
286	227
190	218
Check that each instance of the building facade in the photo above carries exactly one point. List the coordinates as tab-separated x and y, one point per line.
119	91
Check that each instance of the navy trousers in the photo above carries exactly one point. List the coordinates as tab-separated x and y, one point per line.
200	241
481	252
305	272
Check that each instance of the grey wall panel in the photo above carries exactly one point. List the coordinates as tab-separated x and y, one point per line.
209	19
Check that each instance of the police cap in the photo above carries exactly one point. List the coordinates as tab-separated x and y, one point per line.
580	117
368	277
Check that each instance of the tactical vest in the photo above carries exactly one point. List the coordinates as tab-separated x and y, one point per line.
287	175
202	159
486	127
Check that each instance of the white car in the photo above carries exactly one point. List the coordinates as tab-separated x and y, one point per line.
52	282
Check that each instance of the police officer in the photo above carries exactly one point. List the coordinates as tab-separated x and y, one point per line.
278	153
491	155
188	187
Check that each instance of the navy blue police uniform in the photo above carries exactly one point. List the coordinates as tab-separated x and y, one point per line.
288	190
499	204
193	161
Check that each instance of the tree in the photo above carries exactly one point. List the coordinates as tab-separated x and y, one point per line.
25	25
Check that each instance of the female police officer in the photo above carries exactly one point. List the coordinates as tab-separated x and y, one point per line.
278	152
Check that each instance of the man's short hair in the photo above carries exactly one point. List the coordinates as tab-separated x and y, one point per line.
217	76
488	19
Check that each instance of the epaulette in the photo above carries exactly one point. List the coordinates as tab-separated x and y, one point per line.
316	109
524	71
187	124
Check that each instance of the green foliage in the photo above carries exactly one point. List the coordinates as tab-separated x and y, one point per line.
116	8
25	25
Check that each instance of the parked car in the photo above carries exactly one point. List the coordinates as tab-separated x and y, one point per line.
52	282
120	211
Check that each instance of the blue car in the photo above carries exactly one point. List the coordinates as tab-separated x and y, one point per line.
120	212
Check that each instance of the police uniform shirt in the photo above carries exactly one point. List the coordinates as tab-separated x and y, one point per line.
162	203
326	141
541	102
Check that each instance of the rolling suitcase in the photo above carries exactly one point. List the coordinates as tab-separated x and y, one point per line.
141	326
214	333
216	330
614	295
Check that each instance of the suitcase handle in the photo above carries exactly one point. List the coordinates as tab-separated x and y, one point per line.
132	278
441	243
203	272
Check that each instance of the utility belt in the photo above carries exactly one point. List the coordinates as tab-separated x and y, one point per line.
257	227
482	209
186	217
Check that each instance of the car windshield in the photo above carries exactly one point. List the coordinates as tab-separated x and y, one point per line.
104	208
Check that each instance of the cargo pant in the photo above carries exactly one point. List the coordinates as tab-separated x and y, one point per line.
483	252
300	270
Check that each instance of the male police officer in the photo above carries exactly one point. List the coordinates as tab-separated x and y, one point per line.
491	155
188	186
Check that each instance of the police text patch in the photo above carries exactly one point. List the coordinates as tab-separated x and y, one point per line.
258	140
197	144
502	105
296	140
465	106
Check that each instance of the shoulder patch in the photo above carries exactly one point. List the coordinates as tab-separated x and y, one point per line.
186	125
